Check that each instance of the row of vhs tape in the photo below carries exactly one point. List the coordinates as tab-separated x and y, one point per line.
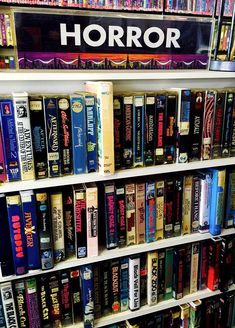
92	291
44	227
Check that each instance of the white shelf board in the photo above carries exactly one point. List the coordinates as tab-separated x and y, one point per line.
112	75
129	173
144	310
121	252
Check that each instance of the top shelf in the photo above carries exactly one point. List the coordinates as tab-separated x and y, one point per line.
34	75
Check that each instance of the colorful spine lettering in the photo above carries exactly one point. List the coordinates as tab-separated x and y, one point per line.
229	220
161	103
3	175
214	263
30	228
92	219
187	201
184	109
134	283
46	251
118	130
130	213
121	214
217	201
69	226
110	215
65	134
140	213
177	205
66	306
196	191
138	131
87	296
152	279
6	260
196	125
78	133
232	140
21	307
105	138
159	209
55	301
44	298
97	290
9	139
38	137
8	305
115	290
23	132
210	101
218	125
124	288
178	273
57	218
128	132
203	265
106	302
150	210
170	129
90	103
168	208
150	124
52	135
80	221
18	243
228	121
32	303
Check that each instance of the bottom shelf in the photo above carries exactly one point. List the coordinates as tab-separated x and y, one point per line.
144	310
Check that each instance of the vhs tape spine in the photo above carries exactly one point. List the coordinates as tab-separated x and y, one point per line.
43	294
150	210
203	265
196	191
194	267
23	132
115	290
204	206
177	205
214	263
92	219
169	263
161	103
3	174
227	126
38	137
78	133
30	228
168	208
76	297
69	223
10	139
160	209
45	233
134	283
229	220
80	221
32	303
218	125
65	292
97	290
20	304
187	201
140	213
143	278
90	104
65	135
232	140
106	281
110	215
52	136
150	127
87	295
121	214
152	278
8	305
210	100
128	132
178	273
55	301
161	274
196	125
170	129
187	268
57	218
18	242
118	130
105	137
124	287
130	213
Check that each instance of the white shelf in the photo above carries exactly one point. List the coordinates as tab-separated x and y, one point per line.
144	310
121	252
112	75
129	173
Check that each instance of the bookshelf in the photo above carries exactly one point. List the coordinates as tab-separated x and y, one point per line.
64	82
